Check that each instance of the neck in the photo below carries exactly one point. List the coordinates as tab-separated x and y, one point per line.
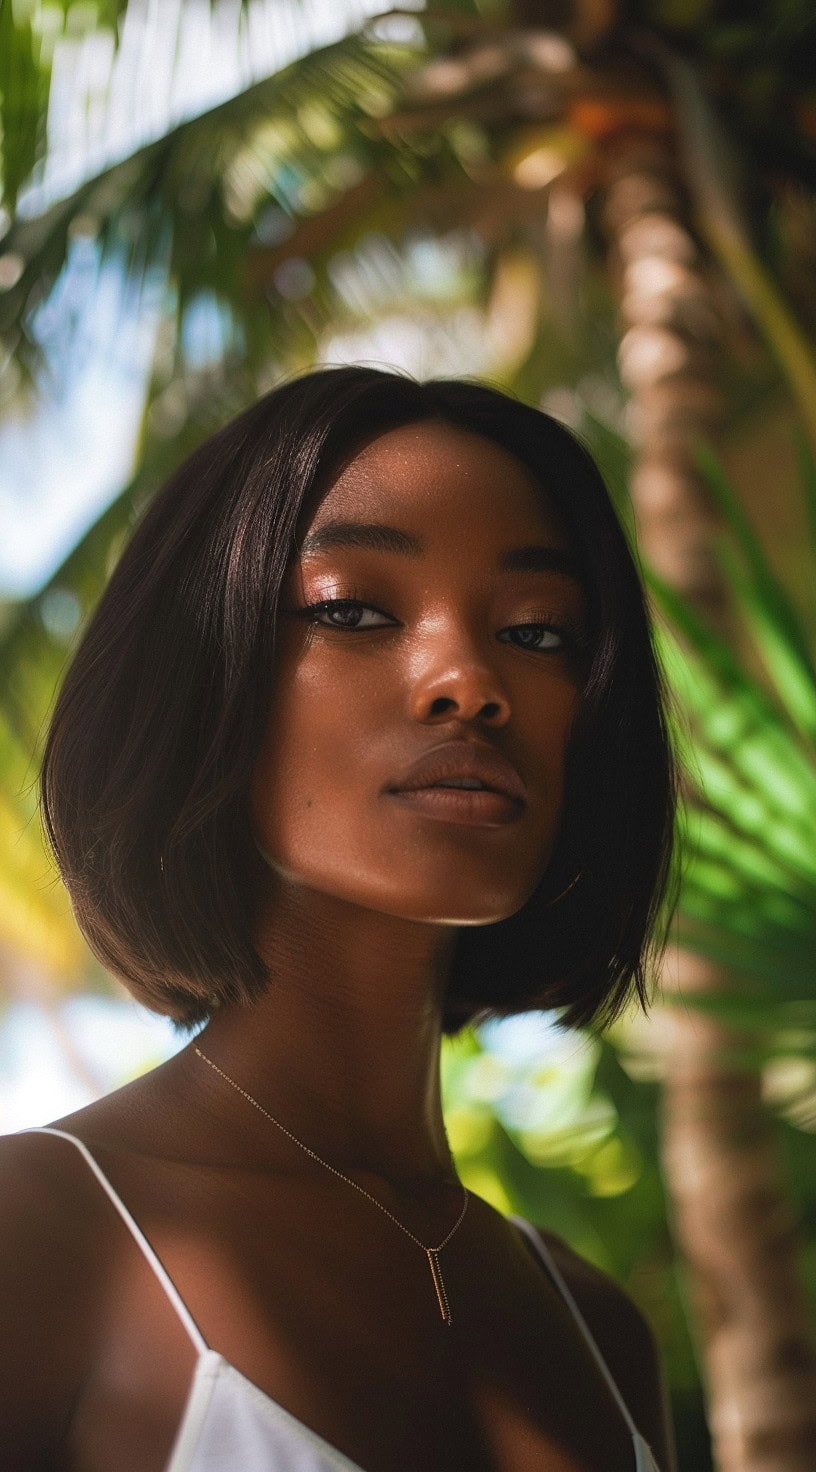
344	1046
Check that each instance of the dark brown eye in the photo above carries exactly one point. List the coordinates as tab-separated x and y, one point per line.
351	611
532	634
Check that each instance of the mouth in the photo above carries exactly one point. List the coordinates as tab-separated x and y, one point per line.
472	806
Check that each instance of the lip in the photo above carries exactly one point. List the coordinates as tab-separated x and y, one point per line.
501	801
472	808
463	759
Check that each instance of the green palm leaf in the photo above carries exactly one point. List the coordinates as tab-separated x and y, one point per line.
23	99
742	742
200	201
748	828
29	36
775	626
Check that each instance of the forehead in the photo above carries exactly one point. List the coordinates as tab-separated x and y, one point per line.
439	477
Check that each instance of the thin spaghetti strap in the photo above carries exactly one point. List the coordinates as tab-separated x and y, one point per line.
547	1258
136	1232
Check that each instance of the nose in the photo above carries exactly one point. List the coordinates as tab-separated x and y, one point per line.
463	686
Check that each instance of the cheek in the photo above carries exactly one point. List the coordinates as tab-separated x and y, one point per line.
305	763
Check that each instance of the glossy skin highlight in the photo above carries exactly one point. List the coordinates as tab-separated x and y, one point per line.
443	646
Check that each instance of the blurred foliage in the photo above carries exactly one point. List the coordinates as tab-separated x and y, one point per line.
748	897
403	172
552	1126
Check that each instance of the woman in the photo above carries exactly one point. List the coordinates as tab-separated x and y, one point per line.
361	598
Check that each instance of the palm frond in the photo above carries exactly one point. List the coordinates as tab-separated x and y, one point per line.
748	831
770	615
194	202
23	100
712	170
85	81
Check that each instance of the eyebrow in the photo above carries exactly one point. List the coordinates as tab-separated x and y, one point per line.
375	536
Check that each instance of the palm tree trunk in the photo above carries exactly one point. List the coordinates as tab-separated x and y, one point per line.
740	1240
733	1219
671	336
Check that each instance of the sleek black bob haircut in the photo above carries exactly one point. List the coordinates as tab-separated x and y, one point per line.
158	722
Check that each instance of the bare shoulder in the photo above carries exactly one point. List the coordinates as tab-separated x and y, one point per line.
49	1266
627	1342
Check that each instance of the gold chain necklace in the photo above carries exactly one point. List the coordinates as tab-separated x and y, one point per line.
432	1253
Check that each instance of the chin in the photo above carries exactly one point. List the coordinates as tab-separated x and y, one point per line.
464	913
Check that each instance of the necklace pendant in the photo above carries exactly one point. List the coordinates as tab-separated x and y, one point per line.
439	1285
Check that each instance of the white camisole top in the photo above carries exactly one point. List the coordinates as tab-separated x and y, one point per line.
230	1425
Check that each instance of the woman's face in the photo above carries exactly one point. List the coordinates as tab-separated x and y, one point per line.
433	649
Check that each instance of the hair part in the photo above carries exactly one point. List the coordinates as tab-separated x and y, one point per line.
153	738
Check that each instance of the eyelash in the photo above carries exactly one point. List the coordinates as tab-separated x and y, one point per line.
569	629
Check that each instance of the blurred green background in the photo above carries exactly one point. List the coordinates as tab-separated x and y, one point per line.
608	209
